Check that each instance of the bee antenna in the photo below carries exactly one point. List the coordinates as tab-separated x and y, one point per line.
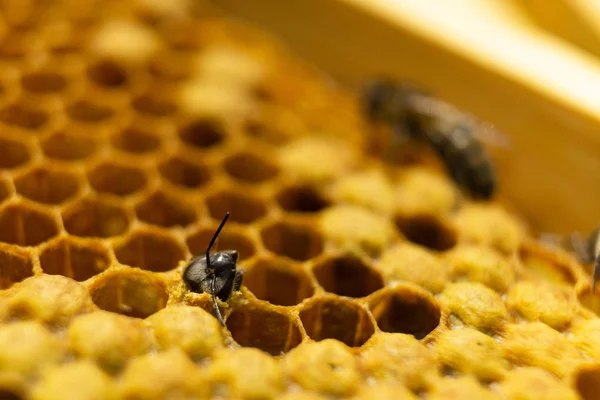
214	238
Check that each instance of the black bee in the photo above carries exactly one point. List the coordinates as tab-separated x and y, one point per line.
415	115
216	274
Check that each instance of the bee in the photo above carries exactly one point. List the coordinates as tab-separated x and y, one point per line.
215	274
415	115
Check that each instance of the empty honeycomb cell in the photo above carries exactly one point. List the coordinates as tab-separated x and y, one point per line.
469	351
165	210
87	112
535	344
25	117
132	293
587	381
326	367
384	392
421	191
109	340
370	189
44	82
13	153
191	329
263	328
95	217
428	231
67	147
533	384
295	240
413	263
543	265
585	336
202	133
15	265
347	275
169	374
353	227
336	318
406	309
28	347
301	199
278	281
480	264
399	359
474	304
228	240
74	381
136	141
150	250
117	179
542	301
75	259
464	387
250	167
13	387
108	74
48	185
126	41
52	299
247	373
186	173
154	104
24	225
244	208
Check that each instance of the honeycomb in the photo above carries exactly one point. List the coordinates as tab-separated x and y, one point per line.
129	128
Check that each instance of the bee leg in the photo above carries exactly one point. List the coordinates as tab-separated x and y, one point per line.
237	279
219	317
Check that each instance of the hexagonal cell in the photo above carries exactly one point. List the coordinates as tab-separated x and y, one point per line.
136	141
334	318
24	117
301	199
405	309
95	218
154	105
294	240
15	266
203	133
163	210
150	250
244	208
48	185
26	226
67	147
74	259
264	329
43	82
117	179
539	263
587	381
12	153
171	66
137	294
278	281
428	231
250	168
347	275
87	112
14	46
228	240
186	173
107	74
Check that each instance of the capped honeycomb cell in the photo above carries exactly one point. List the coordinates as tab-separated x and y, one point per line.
480	264
186	173
48	185
263	328
165	210
297	241
15	265
539	264
370	189
384	392
150	250
347	275
428	231
66	146
464	387
278	281
44	82
229	239
88	112
125	41
421	191
95	217
25	225
24	117
117	178
132	293
202	133
108	74
301	199
243	207
250	168
13	153
135	140
406	309
532	383
73	258
585	335
336	318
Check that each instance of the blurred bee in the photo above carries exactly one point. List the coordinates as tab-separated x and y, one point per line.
417	116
